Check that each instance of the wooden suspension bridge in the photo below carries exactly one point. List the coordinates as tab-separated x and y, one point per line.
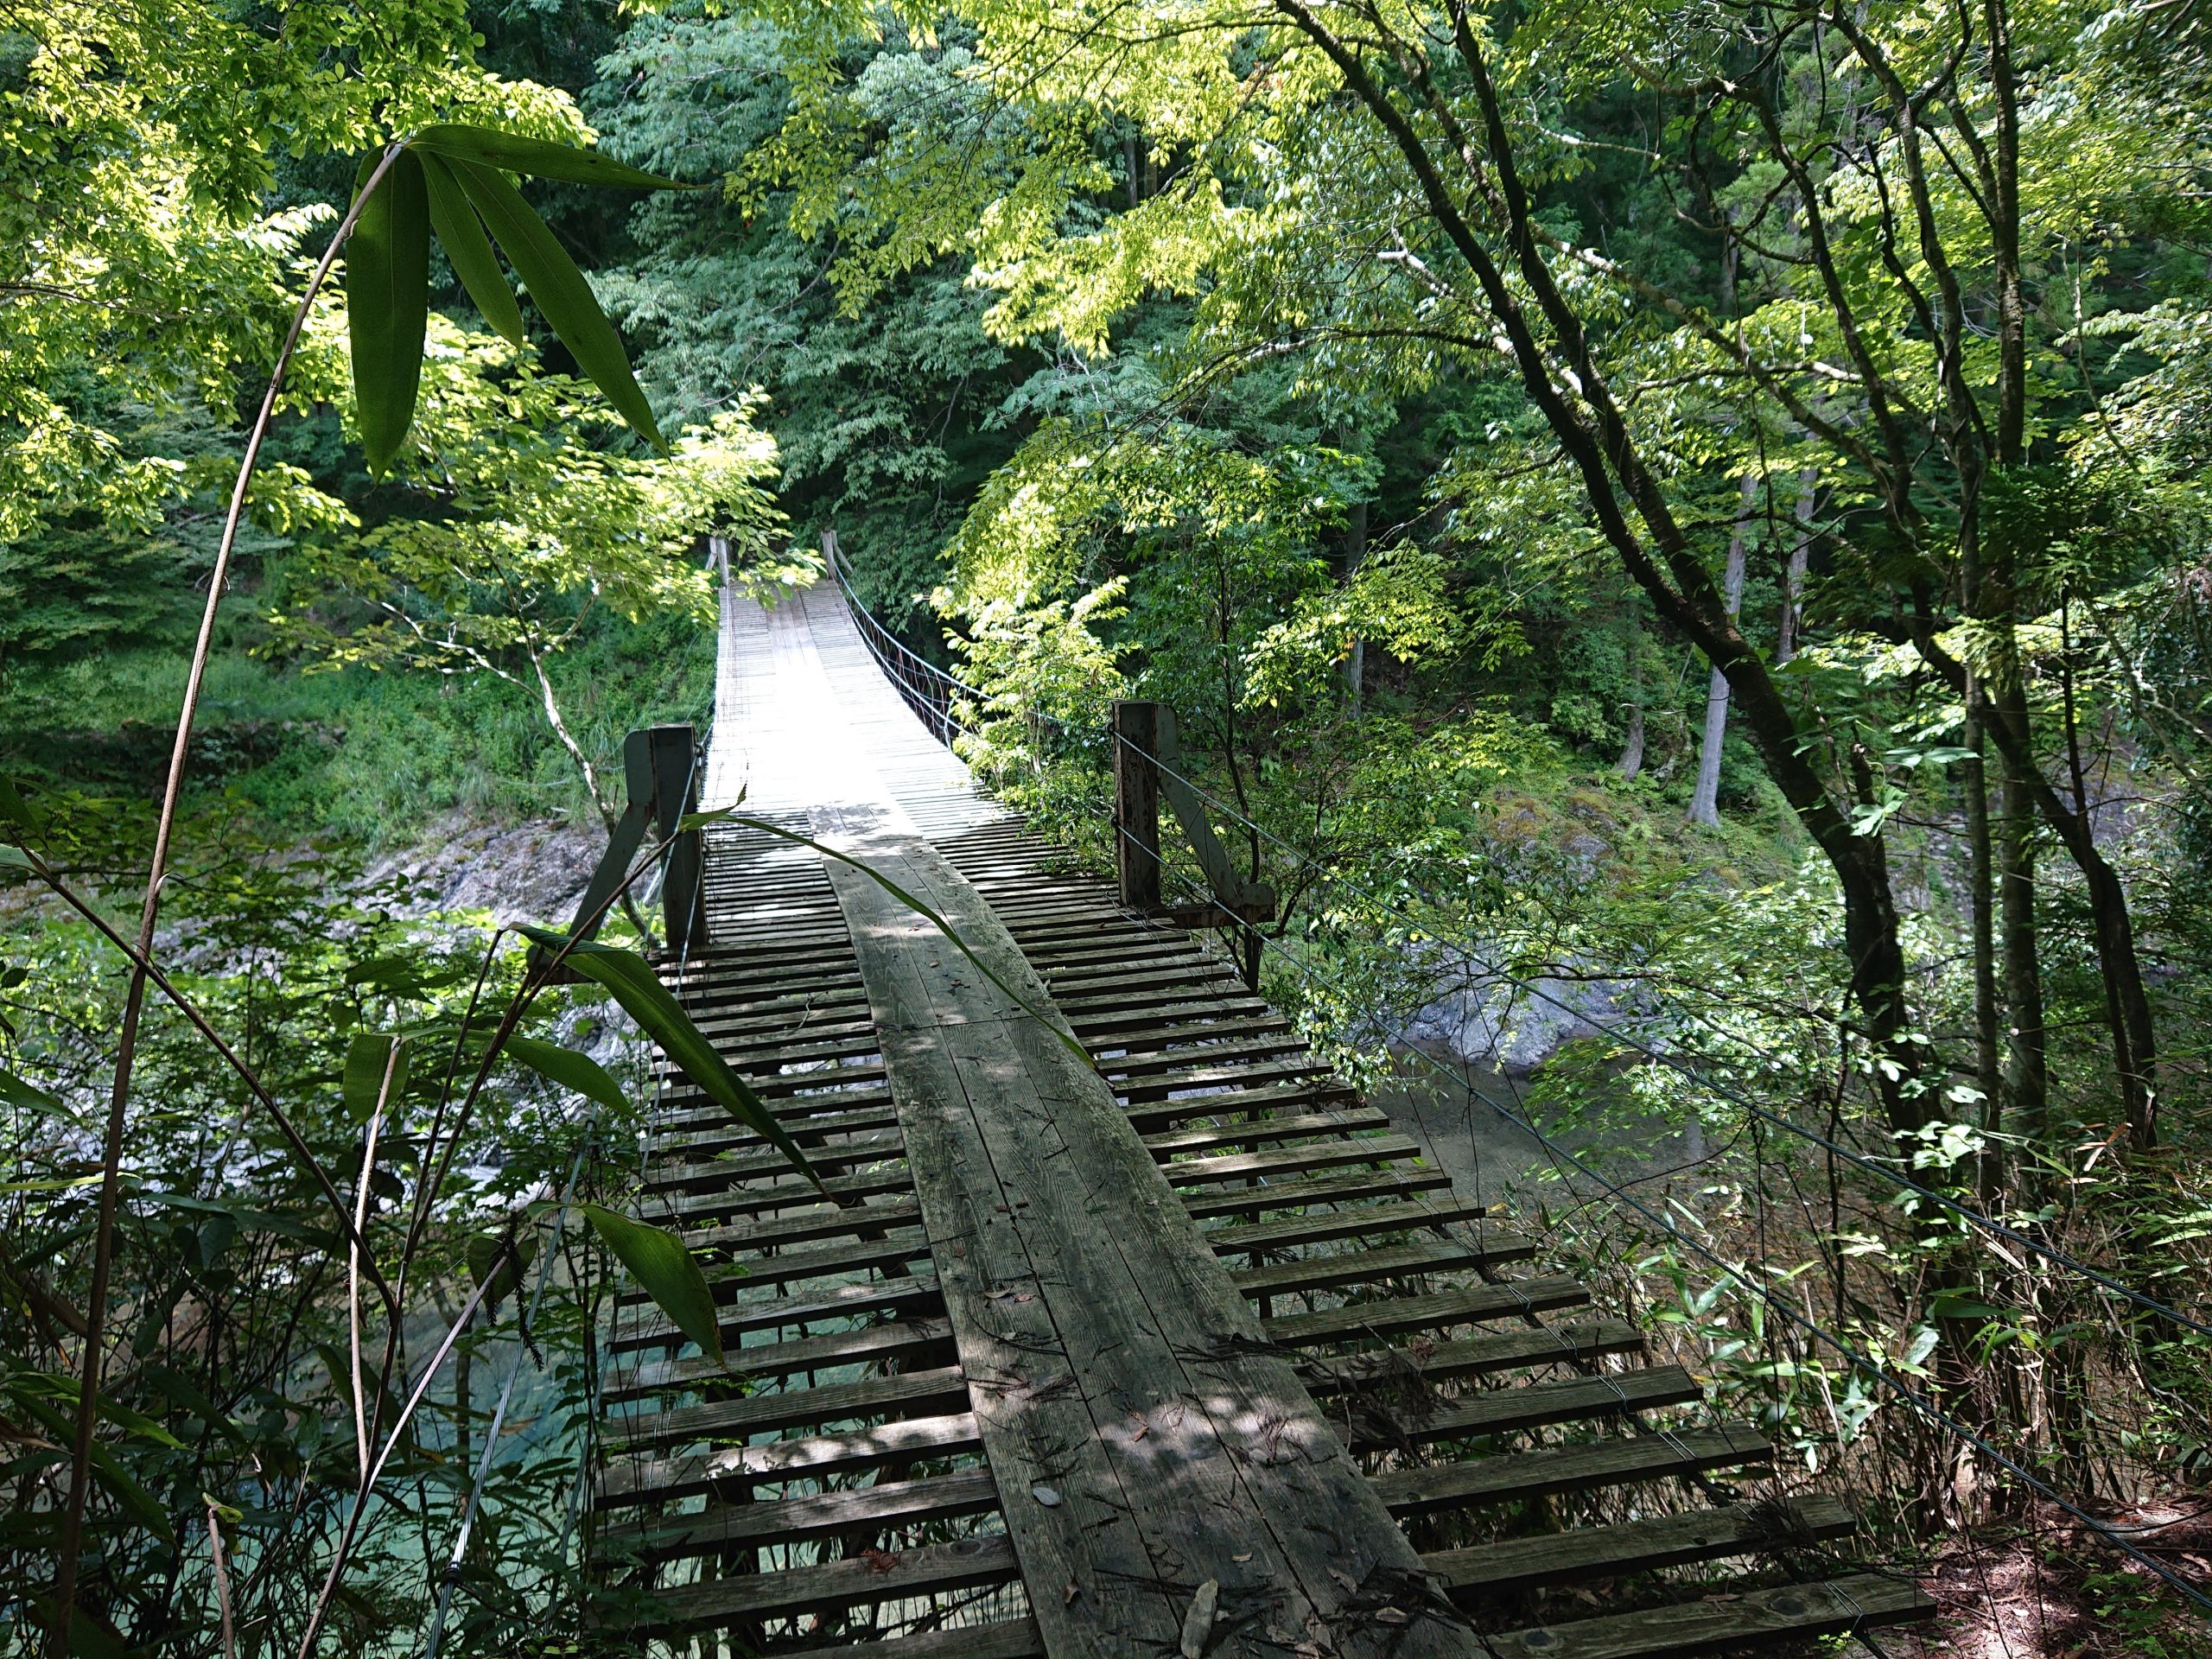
1179	1350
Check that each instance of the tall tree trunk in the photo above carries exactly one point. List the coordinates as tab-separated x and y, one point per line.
1793	580
2127	1006
1617	479
1705	800
1974	786
2026	1076
1356	556
1632	751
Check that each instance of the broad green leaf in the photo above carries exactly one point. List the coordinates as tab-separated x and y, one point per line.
134	1497
366	1058
15	858
665	1272
56	1385
646	1000
1956	1305
461	234
387	304
252	1220
539	157
27	1097
558	289
489	1259
403	976
579	1073
14	809
181	1392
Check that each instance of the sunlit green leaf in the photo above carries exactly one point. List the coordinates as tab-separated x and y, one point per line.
461	234
646	1000
27	1097
387	305
664	1270
367	1058
540	158
558	290
579	1073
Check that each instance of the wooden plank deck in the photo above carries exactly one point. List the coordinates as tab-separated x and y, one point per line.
1083	1342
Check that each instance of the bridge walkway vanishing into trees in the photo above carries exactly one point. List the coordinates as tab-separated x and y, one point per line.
1176	1349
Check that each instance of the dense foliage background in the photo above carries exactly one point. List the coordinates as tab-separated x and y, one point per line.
1673	536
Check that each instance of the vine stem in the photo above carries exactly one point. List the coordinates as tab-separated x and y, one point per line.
134	1006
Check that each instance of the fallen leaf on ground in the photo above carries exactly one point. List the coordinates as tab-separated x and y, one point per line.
1198	1624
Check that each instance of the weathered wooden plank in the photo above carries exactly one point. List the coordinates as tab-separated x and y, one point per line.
1396	1181
1184	1038
813	1457
808	1226
833	1586
1124	1386
1398	1316
925	1393
825	1158
1584	1554
1172	1143
1178	1053
907	1340
1860	1602
910	1297
1385	1424
807	1128
793	1266
853	1509
1542	1345
778	1195
1363	1267
1495	1240
1570	1469
1160	1076
1290	1160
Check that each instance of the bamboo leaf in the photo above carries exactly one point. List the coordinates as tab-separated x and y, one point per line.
461	232
28	1097
387	305
646	1000
579	1073
135	1498
539	157
558	290
665	1272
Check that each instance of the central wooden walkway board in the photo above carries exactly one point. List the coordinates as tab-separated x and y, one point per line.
1167	1346
1145	1439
